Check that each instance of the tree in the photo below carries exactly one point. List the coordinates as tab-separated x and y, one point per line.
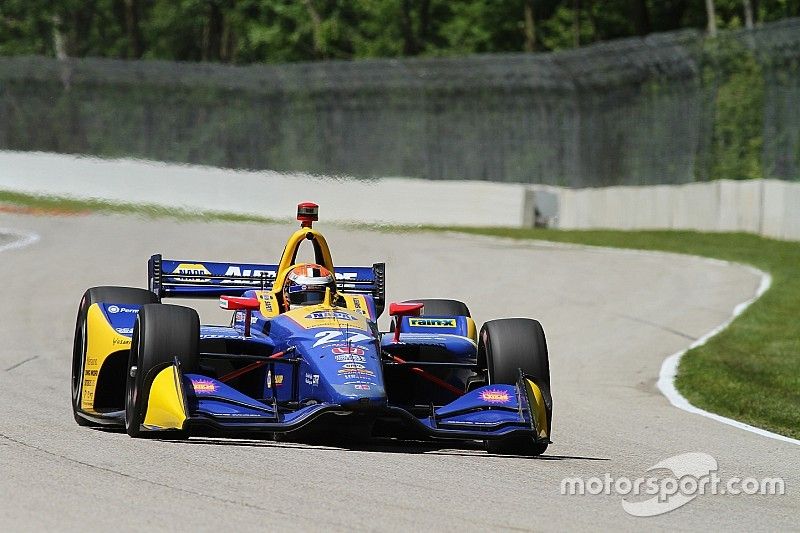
711	13
748	14
132	29
530	26
641	17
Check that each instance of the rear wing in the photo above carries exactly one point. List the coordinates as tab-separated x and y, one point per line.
169	278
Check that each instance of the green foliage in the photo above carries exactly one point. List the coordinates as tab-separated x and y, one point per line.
246	31
736	76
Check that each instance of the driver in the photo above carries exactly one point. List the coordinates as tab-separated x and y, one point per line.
305	285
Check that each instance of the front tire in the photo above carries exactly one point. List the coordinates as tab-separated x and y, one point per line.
161	334
117	295
505	346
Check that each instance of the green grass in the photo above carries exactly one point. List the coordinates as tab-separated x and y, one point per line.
60	205
750	371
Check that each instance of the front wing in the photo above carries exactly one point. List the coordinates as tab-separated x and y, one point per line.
191	401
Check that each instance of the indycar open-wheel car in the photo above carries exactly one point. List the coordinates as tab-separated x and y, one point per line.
303	355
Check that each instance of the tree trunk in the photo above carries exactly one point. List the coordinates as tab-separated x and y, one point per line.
530	27
424	24
59	42
60	49
592	21
135	46
576	22
748	14
213	33
316	24
711	13
410	47
641	17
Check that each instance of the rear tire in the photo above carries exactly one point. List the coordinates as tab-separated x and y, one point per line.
439	307
117	295
442	307
505	346
161	333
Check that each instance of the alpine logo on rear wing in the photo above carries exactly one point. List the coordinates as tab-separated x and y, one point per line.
169	278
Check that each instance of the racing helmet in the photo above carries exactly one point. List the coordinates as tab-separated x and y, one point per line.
305	285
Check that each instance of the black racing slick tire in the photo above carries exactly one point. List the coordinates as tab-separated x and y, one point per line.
161	333
505	346
117	295
442	307
438	307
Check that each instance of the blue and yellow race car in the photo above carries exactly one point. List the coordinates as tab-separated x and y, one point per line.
303	356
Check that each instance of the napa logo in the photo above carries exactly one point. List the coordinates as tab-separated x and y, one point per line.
236	271
327	315
432	322
192	269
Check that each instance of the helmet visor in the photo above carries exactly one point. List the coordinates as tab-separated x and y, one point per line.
306	294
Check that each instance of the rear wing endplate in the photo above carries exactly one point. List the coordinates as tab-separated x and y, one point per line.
170	278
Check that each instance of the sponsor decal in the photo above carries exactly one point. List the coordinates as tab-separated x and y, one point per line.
90	373
355	350
495	396
361	386
357	366
432	322
352	372
348	358
239	272
122	342
125	331
357	305
114	309
278	379
91	361
346	276
322	315
267	302
192	269
204	386
312	379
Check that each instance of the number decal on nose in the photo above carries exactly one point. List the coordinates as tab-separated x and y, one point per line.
329	336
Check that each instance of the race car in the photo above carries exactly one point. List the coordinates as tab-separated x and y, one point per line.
303	356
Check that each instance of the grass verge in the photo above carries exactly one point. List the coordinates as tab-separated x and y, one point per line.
57	205
749	372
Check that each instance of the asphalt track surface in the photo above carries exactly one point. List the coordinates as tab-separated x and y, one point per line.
611	318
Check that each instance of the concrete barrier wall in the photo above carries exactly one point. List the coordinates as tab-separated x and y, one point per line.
266	194
766	207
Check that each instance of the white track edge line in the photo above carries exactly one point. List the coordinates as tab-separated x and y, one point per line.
669	368
23	239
